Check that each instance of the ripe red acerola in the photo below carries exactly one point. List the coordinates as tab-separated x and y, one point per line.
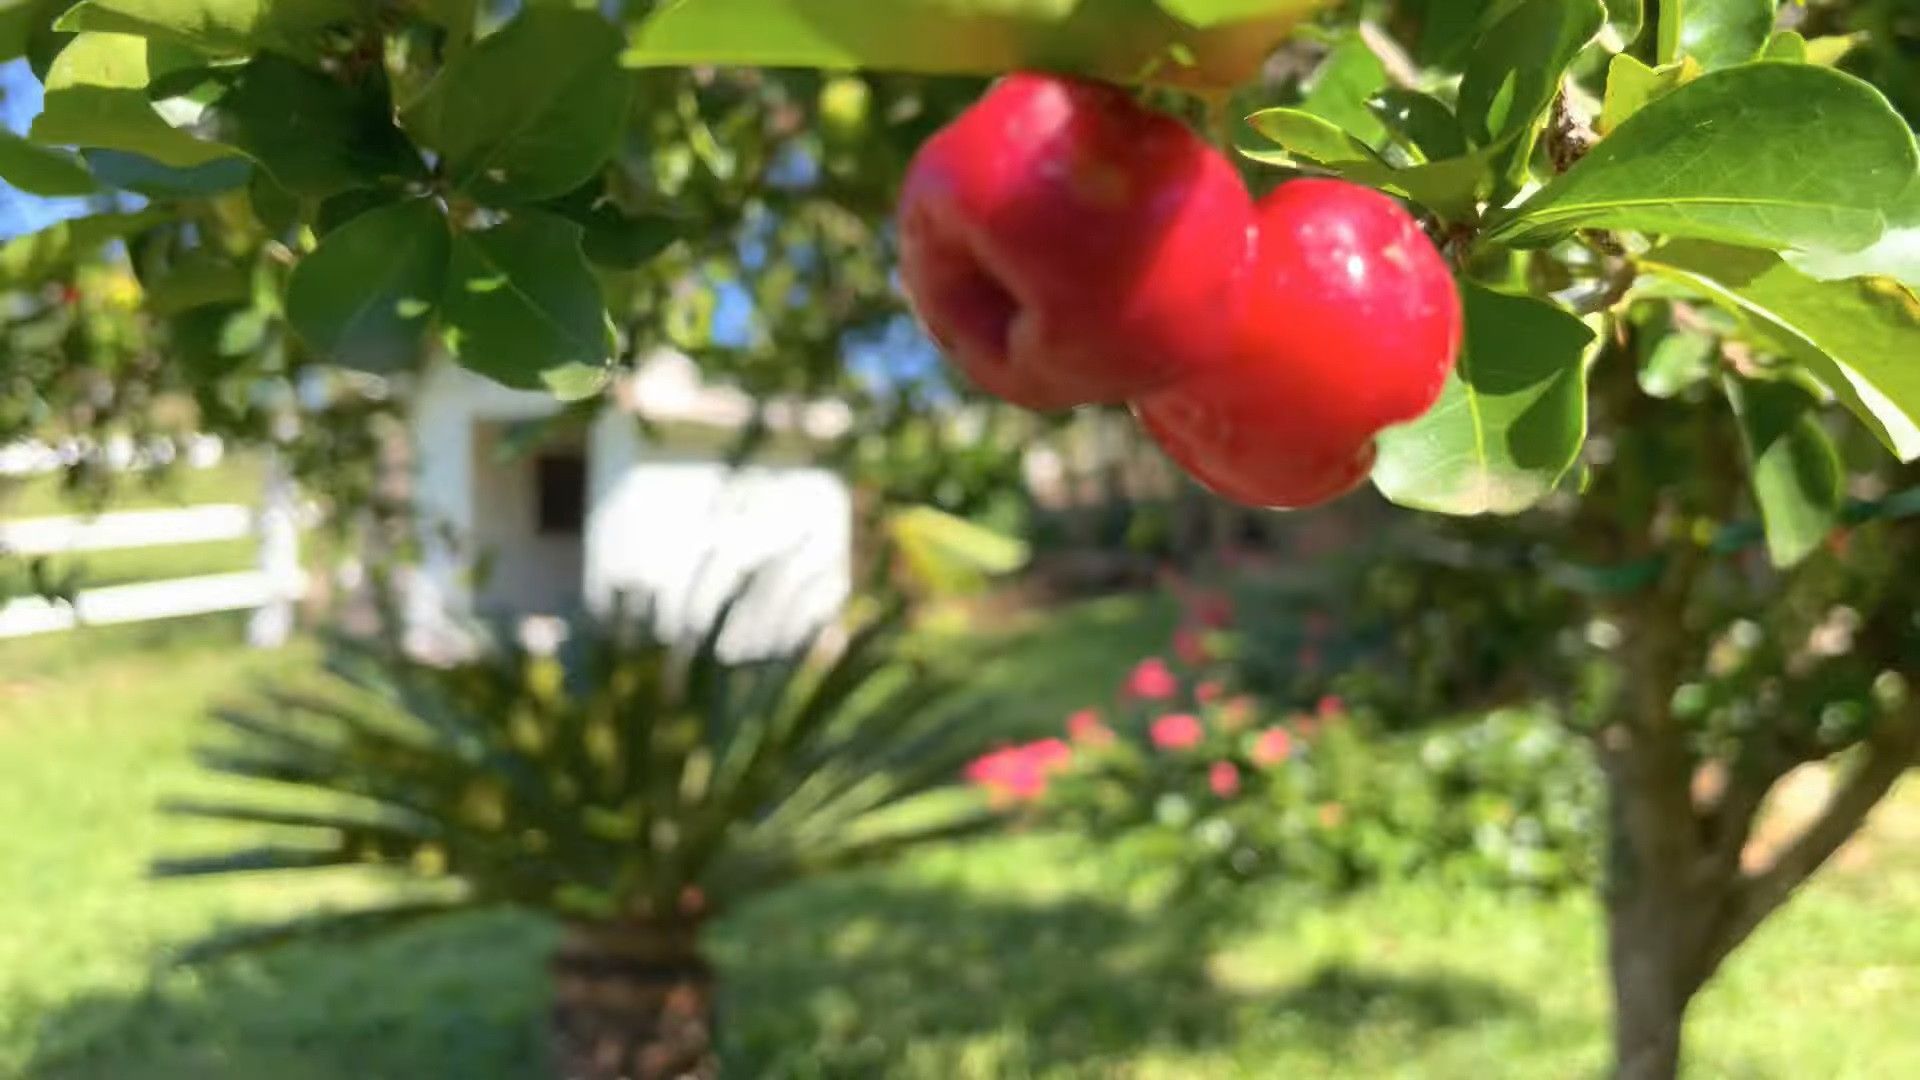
1066	246
1352	324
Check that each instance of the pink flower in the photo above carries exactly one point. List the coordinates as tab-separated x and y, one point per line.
1018	774
1177	731
1208	692
1331	708
1308	659
1271	747
1224	779
1152	680
1190	645
1085	728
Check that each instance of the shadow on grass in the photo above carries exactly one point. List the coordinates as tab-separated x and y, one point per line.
854	978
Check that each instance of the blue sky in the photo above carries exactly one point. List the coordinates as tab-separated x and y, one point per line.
19	104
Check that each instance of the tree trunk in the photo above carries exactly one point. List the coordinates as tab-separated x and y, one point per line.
1649	996
633	1001
1663	901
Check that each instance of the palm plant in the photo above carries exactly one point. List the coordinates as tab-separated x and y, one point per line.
629	788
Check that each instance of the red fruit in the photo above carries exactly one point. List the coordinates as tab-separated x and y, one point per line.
1066	246
1352	324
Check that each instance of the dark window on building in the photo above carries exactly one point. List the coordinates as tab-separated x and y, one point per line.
561	483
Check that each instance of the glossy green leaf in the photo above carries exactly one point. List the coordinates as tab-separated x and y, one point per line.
1209	43
27	261
223	27
41	170
1514	71
144	176
523	308
1510	422
316	135
1449	188
1720	33
1421	120
614	237
1342	85
97	97
1746	155
1628	18
1860	337
531	111
1895	255
365	296
1632	85
1786	45
17	20
1793	465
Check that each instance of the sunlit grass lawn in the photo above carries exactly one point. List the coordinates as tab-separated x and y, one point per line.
1014	958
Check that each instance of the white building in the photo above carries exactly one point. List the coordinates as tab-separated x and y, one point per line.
519	522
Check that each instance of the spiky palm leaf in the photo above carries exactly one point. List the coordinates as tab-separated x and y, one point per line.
619	777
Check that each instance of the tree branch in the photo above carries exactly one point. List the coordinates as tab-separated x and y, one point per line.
1759	895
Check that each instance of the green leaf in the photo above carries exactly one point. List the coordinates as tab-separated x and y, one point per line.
1422	120
1344	81
316	135
948	555
1859	337
1205	13
145	176
221	27
1895	255
1678	361
1830	49
523	308
1786	45
17	21
40	170
1720	33
1510	422
97	96
363	298
1747	155
1628	18
1632	85
196	282
531	111
1210	43
1514	71
27	261
1794	466
615	237
1448	188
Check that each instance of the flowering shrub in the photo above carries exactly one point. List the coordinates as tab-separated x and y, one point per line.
1203	784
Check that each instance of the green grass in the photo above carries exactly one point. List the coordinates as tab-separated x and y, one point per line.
237	479
1011	958
121	566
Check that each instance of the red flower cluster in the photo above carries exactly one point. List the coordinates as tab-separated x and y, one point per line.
1152	680
1177	731
1020	773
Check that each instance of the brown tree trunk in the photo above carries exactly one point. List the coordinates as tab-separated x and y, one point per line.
633	1001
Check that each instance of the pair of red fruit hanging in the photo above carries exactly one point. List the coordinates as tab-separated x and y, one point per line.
1066	246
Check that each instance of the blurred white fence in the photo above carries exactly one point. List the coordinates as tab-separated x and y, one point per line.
270	590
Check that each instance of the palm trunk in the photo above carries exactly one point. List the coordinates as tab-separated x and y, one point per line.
633	1001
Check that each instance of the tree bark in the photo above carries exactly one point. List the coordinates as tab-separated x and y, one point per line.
633	1001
